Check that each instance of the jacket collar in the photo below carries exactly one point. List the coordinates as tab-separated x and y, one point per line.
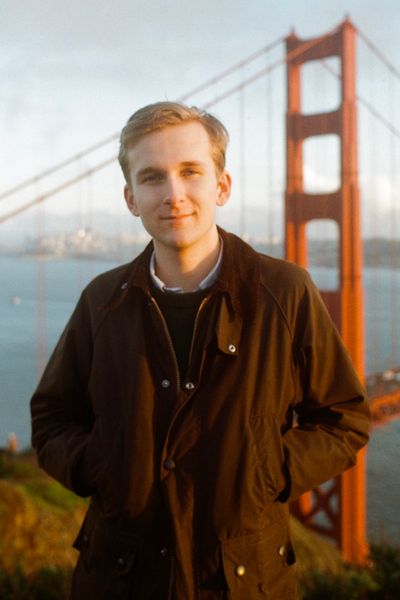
240	274
238	279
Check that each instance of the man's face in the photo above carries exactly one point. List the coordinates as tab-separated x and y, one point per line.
174	186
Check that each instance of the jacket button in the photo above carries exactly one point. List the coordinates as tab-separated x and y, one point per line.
232	348
240	570
121	562
281	550
189	385
164	552
165	383
169	464
85	539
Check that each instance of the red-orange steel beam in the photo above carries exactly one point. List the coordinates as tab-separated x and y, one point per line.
385	408
344	507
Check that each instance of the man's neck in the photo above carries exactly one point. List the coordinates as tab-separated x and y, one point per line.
186	268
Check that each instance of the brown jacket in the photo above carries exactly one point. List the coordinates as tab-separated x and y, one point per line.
190	479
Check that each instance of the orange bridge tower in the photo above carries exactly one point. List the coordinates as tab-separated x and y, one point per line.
338	508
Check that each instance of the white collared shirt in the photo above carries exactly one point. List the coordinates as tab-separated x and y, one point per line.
205	283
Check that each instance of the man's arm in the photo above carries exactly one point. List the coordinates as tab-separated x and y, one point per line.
61	414
333	413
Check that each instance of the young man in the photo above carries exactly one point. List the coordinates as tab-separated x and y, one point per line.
170	397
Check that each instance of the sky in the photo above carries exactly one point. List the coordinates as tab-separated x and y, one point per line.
73	71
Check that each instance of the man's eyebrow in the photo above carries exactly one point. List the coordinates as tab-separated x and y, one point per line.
185	164
146	171
192	163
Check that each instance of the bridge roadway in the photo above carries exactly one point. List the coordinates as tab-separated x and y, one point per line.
383	390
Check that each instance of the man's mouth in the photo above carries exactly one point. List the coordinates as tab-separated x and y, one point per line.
176	217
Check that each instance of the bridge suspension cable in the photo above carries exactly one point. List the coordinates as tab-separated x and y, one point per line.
394	70
232	90
90	149
367	105
51	170
232	69
56	190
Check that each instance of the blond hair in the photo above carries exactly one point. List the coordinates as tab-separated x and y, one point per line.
155	117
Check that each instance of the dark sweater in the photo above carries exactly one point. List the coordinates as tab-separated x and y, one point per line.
179	311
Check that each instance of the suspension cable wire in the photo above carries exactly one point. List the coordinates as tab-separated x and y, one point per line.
393	233
89	217
375	295
292	55
381	118
367	105
55	190
242	150
232	69
57	167
269	161
90	149
41	306
81	224
394	70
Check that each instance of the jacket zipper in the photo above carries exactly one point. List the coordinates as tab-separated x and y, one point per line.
168	337
170	344
196	322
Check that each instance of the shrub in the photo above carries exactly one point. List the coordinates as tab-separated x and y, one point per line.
378	581
352	584
386	570
45	584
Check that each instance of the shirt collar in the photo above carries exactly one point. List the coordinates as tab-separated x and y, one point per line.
207	282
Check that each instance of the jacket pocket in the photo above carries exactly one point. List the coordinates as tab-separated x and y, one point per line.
99	455
106	562
260	565
270	455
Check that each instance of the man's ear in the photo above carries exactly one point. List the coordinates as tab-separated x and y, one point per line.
224	188
130	201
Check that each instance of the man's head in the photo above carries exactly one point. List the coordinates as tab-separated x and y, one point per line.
173	160
158	116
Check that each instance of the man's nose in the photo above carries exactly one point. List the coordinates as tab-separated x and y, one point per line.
174	190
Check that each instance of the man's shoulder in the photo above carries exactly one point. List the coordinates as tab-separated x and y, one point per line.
273	272
110	279
111	286
281	273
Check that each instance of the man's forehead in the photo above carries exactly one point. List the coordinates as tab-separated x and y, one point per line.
187	143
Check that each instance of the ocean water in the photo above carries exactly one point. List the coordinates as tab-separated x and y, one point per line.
24	280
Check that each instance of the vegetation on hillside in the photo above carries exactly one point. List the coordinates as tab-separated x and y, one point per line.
39	520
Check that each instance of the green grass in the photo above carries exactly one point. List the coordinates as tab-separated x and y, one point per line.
46	584
52	494
39	520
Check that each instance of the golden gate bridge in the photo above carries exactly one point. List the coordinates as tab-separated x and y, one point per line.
320	189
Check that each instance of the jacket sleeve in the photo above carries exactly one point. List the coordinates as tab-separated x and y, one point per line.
332	411
61	414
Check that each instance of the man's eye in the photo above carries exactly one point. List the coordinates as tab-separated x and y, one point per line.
152	178
188	172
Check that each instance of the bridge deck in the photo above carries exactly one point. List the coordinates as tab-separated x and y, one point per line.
383	390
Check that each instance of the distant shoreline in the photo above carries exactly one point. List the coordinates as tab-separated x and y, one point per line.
378	252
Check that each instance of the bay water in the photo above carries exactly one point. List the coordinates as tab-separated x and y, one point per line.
24	280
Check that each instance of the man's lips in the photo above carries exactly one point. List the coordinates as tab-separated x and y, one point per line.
176	217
